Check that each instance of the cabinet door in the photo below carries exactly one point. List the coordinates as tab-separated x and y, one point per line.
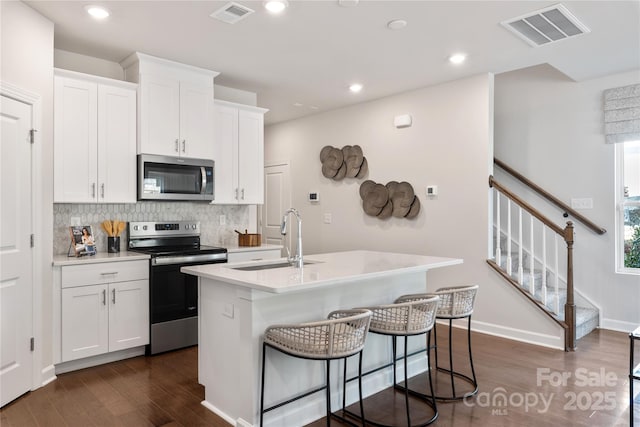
85	324
128	314
251	157
159	116
196	121
225	154
116	145
75	141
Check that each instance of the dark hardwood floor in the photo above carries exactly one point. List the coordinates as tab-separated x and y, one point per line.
163	390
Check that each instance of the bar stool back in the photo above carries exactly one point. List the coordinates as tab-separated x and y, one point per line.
456	303
340	336
409	315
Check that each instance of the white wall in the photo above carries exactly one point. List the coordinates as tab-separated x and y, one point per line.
27	62
449	145
550	129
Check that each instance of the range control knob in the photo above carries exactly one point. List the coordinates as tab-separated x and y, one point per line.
144	227
186	226
193	226
135	227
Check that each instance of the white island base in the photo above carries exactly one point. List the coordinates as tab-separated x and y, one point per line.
236	306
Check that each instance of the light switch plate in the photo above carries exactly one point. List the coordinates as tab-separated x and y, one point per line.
327	218
586	203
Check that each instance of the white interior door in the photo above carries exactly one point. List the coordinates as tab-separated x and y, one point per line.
16	258
277	198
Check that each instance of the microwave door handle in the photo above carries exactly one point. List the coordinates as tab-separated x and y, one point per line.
203	174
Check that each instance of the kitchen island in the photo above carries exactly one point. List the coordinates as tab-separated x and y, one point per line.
238	301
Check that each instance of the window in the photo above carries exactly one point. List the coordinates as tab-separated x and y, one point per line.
628	195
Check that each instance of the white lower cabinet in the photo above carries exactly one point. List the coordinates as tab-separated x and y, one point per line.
98	318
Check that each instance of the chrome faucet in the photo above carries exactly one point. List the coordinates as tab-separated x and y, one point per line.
297	259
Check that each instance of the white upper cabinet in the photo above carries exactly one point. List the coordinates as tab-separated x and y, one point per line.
239	153
175	112
94	139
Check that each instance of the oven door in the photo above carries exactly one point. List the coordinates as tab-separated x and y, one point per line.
173	306
172	295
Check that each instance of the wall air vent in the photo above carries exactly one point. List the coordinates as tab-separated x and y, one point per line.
546	26
232	13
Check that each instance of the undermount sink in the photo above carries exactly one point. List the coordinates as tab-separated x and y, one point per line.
267	266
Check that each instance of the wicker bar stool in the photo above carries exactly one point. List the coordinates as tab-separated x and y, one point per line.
409	315
340	336
456	303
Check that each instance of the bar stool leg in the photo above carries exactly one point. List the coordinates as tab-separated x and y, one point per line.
406	381
360	388
433	395
473	371
328	393
394	350
264	349
344	385
453	386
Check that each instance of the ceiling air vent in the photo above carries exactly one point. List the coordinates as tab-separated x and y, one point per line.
546	26
232	13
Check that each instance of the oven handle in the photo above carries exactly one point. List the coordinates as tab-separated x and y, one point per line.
183	259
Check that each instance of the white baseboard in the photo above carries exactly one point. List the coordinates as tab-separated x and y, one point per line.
48	375
218	412
618	325
314	406
101	359
544	340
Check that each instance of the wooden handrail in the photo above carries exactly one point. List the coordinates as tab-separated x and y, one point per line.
524	205
566	208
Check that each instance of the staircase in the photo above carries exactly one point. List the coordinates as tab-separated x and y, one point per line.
535	255
544	293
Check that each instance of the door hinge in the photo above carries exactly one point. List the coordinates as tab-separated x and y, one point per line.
33	240
32	135
33	343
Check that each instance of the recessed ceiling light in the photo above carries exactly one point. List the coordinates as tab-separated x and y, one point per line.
297	104
396	24
313	107
355	87
348	3
276	6
457	58
97	12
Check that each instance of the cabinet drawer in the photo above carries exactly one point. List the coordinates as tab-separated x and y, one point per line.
106	272
253	255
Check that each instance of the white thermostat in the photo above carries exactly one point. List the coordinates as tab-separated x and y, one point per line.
314	197
432	190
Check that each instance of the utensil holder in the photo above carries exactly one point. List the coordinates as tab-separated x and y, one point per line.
113	244
249	239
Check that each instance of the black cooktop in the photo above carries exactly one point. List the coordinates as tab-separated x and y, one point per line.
180	250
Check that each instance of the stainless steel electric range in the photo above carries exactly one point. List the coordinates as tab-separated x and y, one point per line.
173	296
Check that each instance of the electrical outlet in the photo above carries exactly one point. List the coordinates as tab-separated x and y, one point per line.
222	219
228	311
327	218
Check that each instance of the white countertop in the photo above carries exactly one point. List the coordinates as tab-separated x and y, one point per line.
325	270
234	248
60	260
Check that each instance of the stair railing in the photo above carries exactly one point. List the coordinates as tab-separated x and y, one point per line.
518	280
568	210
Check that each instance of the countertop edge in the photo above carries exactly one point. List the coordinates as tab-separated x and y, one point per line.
100	257
297	287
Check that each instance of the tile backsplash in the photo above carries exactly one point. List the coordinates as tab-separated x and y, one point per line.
212	233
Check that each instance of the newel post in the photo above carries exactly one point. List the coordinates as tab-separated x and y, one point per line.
569	306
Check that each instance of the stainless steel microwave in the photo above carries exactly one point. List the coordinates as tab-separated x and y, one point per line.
174	178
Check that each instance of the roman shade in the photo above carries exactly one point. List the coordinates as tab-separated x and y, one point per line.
622	114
